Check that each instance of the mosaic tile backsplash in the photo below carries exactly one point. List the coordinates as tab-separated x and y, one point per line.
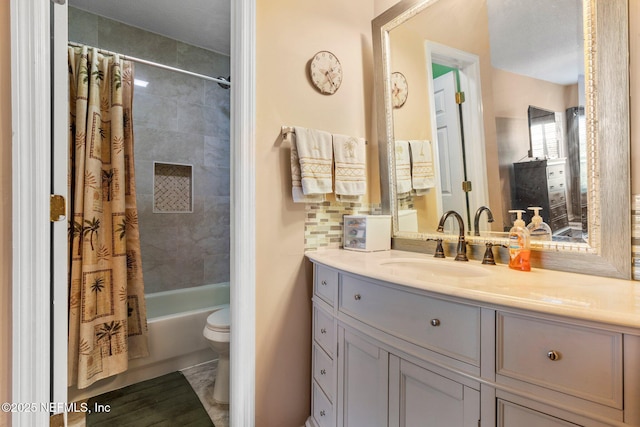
323	225
635	235
324	221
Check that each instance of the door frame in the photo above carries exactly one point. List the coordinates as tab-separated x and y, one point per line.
472	119
34	284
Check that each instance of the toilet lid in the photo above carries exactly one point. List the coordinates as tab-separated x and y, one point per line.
219	319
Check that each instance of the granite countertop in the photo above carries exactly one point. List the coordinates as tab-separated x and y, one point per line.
600	299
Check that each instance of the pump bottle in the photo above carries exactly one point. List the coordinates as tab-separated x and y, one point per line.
538	229
519	244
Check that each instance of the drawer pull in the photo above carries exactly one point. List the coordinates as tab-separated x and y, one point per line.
553	355
323	372
322	413
324	283
323	331
435	322
357	297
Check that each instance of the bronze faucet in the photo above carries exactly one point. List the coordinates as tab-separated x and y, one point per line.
476	220
461	254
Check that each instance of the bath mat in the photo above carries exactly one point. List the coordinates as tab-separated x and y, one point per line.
168	401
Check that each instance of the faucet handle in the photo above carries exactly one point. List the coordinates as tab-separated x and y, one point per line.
488	253
439	249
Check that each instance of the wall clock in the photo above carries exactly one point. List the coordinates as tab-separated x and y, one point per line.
399	89
325	72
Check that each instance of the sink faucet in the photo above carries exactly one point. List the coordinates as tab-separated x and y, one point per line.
461	254
476	220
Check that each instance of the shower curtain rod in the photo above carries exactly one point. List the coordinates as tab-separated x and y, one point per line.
154	64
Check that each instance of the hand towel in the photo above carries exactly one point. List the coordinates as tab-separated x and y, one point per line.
350	166
311	163
403	167
422	172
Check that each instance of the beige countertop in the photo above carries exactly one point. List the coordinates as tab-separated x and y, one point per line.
578	296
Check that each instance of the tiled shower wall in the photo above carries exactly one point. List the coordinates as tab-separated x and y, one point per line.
176	119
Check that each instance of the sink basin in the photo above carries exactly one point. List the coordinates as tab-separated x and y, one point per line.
432	267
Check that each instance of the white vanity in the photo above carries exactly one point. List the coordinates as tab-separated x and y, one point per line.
403	339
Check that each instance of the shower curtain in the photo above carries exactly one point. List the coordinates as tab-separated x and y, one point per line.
107	314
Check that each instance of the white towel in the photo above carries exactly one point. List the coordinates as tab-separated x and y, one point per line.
351	168
422	172
311	162
403	167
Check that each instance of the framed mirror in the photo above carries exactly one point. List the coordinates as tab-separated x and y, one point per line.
412	36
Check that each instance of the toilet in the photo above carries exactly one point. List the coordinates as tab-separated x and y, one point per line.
216	331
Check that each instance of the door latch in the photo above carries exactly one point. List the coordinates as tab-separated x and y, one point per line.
57	208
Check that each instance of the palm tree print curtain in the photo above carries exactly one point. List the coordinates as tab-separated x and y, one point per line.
107	314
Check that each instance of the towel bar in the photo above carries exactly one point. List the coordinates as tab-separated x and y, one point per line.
288	130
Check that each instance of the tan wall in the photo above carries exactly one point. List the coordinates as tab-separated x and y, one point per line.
5	211
289	33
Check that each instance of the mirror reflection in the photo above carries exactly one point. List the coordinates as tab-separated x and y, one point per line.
493	115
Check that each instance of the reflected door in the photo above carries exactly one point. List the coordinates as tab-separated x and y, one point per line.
450	154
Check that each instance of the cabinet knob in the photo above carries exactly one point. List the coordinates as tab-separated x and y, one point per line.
323	331
324	283
435	322
322	413
323	372
553	355
357	297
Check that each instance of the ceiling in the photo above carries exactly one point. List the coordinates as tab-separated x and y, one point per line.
524	40
203	23
541	39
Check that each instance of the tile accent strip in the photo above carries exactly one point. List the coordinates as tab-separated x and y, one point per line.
635	236
323	225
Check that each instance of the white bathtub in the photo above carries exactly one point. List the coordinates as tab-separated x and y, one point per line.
175	320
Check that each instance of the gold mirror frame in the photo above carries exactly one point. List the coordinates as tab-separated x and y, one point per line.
608	250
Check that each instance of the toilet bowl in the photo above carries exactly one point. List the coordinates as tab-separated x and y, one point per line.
216	331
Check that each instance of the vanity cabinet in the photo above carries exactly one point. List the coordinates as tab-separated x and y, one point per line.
384	341
390	354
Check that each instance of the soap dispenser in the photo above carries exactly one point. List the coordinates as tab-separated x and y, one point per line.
519	250
538	229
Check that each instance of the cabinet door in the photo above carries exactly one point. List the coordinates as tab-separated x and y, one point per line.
363	372
422	398
512	415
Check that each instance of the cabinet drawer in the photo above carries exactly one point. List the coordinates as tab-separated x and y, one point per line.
555	171
322	408
558	198
512	415
323	330
556	185
323	371
449	328
325	283
581	361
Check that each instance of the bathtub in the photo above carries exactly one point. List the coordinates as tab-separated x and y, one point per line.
175	319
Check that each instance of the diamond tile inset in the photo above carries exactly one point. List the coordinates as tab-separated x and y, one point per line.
172	188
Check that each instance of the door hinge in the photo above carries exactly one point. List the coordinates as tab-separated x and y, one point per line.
57	208
466	186
459	97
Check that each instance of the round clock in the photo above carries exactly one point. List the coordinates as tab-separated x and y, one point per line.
399	89
325	72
